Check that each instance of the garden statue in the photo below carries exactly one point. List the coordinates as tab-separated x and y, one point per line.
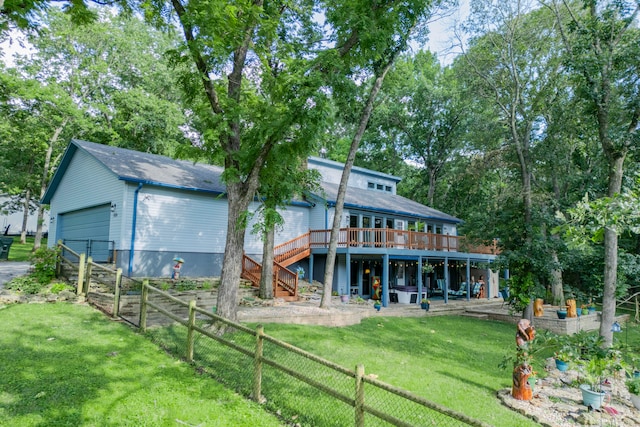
571	308
175	275
525	333
538	311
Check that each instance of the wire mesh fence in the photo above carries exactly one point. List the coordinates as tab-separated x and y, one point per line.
301	387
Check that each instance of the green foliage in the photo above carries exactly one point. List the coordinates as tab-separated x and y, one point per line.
186	285
206	285
26	284
56	288
44	263
633	385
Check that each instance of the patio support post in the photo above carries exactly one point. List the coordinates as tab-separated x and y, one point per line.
488	282
446	280
419	273
310	275
468	279
385	280
348	265
360	276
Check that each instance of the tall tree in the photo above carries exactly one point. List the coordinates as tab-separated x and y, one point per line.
512	64
602	42
381	33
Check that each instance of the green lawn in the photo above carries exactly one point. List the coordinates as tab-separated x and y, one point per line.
68	365
22	252
450	360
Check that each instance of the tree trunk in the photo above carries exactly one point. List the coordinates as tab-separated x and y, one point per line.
266	278
45	180
25	217
227	304
611	255
325	302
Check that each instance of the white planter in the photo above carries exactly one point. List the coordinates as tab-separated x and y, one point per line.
635	399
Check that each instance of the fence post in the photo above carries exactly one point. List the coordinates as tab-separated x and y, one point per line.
359	402
116	296
81	267
87	273
257	364
143	305
190	335
59	259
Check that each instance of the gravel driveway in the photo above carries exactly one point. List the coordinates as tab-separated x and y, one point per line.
11	269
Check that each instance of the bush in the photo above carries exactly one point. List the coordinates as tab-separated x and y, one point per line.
25	284
44	264
56	288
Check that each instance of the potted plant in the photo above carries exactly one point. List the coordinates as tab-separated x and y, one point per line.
300	272
377	305
563	357
424	304
584	310
562	312
633	385
591	308
427	268
595	362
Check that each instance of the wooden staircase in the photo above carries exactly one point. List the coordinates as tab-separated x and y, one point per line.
285	281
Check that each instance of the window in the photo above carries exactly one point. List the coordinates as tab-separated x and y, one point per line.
380	186
388	188
371	185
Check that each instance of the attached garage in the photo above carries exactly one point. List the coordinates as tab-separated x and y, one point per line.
87	231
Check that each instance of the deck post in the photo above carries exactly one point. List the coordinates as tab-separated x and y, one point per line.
385	280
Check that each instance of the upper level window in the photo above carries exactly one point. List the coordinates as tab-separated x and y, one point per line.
380	187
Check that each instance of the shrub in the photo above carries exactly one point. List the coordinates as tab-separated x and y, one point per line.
25	284
44	264
186	285
56	288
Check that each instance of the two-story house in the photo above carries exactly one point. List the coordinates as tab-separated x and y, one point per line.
140	211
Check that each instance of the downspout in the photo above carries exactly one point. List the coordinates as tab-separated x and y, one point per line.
133	229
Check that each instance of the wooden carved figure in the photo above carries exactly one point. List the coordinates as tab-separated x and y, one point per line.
538	310
571	308
525	333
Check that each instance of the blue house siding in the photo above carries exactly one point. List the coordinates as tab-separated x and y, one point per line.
87	184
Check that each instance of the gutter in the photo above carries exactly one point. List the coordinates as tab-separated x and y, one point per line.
133	229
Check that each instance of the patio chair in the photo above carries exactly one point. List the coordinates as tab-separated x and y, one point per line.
477	287
462	290
439	288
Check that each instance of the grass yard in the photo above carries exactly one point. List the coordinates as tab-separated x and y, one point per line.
450	360
22	252
68	365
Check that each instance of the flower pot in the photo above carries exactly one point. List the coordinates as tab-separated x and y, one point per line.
562	365
591	310
636	374
635	399
377	307
591	398
584	311
344	298
562	314
424	306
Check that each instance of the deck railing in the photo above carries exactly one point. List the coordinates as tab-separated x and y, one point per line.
402	239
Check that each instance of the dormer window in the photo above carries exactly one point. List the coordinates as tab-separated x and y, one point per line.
379	187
